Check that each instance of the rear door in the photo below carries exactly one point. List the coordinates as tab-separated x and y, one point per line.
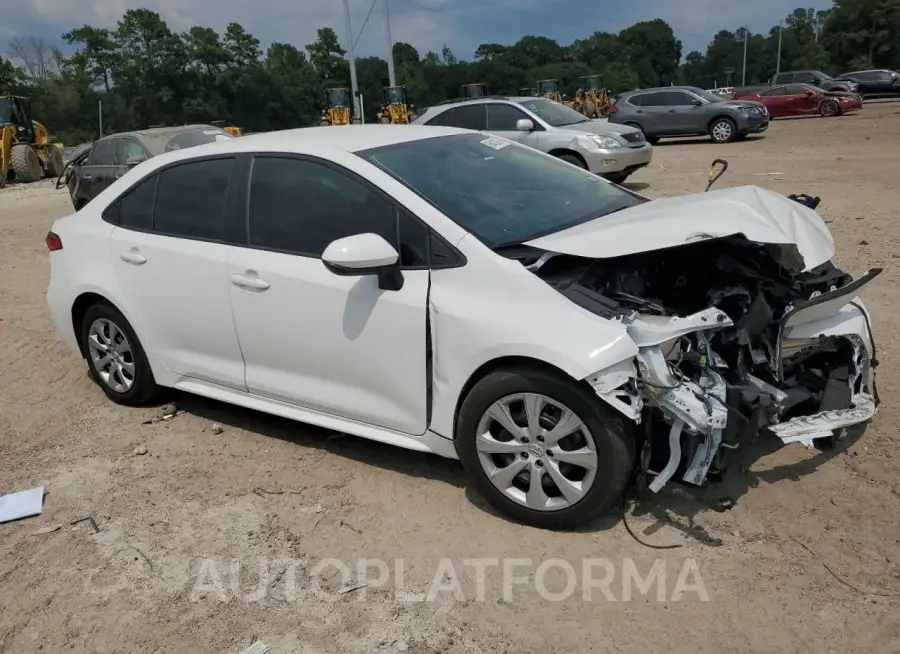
775	101
169	251
652	113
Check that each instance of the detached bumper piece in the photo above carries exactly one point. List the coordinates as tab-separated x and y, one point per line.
805	429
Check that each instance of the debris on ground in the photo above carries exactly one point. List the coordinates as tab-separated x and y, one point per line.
23	504
217	428
49	529
168	412
89	519
140	451
256	647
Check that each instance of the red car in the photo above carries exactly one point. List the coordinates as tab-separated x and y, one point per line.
803	99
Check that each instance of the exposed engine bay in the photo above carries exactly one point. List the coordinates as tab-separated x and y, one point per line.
734	339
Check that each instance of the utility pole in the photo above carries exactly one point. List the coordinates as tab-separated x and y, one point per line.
100	115
778	58
354	88
390	44
744	67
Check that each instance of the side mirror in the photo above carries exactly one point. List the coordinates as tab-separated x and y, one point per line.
697	103
134	161
365	254
524	125
810	93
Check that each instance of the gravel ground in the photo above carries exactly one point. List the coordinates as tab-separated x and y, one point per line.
800	553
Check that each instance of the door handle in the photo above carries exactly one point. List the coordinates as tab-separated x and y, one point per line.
249	283
671	111
86	177
133	257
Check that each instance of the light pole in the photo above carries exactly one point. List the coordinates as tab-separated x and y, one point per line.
354	88
778	58
744	67
390	44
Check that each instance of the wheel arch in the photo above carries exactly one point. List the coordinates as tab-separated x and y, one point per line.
720	117
500	363
557	152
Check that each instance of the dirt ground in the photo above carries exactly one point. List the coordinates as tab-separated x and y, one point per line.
806	559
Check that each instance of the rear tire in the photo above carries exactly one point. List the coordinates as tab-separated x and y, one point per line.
596	430
115	357
25	163
385	120
55	164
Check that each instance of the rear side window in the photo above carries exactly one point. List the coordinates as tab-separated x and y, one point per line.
136	206
770	93
653	100
470	117
190	200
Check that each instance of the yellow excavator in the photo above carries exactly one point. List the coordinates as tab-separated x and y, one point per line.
591	99
549	88
394	107
475	90
529	92
338	107
26	151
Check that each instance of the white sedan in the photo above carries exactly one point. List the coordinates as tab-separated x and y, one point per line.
450	292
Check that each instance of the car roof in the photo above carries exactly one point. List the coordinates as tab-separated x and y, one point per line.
320	141
156	138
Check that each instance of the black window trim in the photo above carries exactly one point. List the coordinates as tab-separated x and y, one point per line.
242	206
229	211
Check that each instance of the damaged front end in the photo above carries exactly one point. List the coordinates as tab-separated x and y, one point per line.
734	339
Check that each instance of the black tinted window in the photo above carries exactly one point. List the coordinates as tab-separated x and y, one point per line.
128	149
471	117
653	100
503	117
679	99
190	199
300	206
103	153
795	89
136	206
769	93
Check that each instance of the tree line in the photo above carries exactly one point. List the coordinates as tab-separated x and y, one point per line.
146	74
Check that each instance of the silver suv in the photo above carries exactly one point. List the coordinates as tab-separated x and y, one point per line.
613	151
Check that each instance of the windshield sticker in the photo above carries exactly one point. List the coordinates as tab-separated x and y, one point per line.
495	143
223	137
210	132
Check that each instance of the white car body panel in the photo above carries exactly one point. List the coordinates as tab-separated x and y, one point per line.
760	215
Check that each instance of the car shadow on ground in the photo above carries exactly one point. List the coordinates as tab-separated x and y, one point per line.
362	450
704	139
635	186
676	506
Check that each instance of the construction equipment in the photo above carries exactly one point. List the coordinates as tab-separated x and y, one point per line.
591	99
530	92
338	107
26	153
231	129
475	90
549	88
394	107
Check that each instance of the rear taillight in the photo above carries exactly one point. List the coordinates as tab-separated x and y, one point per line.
54	242
613	109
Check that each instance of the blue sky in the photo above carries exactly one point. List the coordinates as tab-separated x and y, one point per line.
427	24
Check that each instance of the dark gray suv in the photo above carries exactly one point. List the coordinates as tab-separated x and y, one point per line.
673	111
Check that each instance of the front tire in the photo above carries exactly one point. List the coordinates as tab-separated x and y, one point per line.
723	130
25	163
829	108
542	449
574	160
116	359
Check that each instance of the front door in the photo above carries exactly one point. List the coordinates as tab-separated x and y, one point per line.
683	115
336	345
502	119
169	252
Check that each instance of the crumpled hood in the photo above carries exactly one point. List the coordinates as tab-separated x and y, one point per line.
760	215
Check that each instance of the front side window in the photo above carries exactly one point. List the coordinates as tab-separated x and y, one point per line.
503	117
103	153
190	199
679	99
299	207
501	192
128	150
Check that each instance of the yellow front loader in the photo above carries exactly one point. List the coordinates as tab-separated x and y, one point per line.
26	152
591	99
475	90
395	109
338	107
549	88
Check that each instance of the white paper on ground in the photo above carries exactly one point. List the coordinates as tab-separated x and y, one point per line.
23	504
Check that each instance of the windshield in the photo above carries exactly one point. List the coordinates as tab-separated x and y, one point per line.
501	192
194	137
6	111
822	76
593	83
394	96
338	98
553	113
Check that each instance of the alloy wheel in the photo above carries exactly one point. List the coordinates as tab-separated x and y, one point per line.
111	355
536	451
